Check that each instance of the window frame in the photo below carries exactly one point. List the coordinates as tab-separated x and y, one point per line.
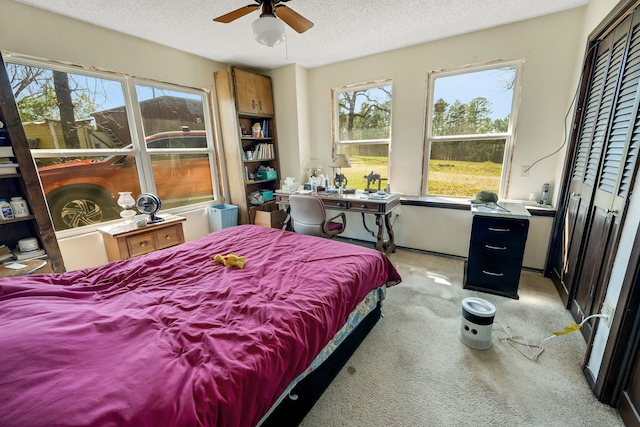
335	111
143	156
508	136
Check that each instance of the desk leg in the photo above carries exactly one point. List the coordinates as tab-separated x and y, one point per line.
380	240
381	245
391	244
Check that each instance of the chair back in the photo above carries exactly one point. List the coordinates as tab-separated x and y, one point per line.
309	217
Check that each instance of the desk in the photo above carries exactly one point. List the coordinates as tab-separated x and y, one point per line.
381	208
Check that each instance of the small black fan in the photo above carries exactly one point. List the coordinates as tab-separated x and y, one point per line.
149	204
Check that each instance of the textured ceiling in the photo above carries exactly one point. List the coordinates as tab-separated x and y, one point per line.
343	29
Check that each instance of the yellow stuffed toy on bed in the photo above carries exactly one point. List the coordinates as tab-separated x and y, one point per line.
231	260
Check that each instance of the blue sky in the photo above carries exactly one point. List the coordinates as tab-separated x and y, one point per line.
489	84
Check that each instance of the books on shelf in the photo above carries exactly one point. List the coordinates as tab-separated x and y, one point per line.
6	151
7	166
261	151
5	253
23	256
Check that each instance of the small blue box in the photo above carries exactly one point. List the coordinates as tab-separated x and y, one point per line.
267	195
264	175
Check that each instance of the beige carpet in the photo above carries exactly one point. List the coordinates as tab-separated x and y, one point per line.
412	370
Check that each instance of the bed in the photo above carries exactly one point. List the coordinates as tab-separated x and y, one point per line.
174	338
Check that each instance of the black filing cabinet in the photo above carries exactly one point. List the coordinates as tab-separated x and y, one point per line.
495	255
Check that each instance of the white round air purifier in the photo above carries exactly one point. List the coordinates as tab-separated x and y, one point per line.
477	323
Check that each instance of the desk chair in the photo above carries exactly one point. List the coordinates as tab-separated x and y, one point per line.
309	217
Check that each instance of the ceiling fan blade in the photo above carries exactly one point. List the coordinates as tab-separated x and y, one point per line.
238	13
293	18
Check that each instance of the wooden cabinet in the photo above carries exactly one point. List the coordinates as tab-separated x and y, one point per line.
123	241
495	255
24	182
253	92
244	100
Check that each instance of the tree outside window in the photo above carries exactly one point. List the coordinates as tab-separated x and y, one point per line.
362	131
77	124
469	129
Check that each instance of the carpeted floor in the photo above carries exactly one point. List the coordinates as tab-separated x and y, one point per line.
412	369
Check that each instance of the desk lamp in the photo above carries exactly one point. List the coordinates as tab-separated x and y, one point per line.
340	161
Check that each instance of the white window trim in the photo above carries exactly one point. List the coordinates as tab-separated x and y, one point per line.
509	136
336	116
145	174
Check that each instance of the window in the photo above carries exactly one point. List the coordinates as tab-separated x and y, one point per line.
470	122
362	131
94	134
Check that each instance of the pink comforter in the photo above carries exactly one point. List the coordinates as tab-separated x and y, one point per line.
173	338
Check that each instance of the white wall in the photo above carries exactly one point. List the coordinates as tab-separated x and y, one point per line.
30	31
547	44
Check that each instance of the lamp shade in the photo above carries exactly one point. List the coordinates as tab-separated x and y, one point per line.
268	30
340	161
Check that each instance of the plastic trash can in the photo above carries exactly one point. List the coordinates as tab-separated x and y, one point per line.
477	323
222	216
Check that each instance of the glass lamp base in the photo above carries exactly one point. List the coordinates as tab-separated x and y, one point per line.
128	215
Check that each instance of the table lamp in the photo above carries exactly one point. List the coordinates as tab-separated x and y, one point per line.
340	161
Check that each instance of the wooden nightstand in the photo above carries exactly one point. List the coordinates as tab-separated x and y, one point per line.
123	241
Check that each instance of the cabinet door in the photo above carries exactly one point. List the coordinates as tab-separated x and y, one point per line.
245	86
253	93
264	94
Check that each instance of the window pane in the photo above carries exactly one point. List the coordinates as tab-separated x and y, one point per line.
90	188
182	179
473	103
62	110
169	111
463	168
365	114
366	160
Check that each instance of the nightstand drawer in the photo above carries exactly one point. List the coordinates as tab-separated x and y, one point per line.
168	237
496	273
498	245
499	229
140	244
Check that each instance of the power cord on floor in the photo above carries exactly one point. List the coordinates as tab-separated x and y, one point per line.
533	355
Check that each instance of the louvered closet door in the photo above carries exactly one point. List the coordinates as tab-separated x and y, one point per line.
614	182
590	140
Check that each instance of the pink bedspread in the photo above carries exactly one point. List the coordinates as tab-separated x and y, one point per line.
173	338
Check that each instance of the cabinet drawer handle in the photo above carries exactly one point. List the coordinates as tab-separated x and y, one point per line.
488	273
575	194
253	104
168	237
143	244
363	206
339	204
499	229
498	248
260	105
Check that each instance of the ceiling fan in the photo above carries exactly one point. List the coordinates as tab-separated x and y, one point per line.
268	29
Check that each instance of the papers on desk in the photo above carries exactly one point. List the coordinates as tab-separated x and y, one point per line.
376	196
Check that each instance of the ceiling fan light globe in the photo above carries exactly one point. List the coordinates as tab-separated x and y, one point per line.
268	30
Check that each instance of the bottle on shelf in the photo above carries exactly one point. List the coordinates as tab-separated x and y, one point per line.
19	207
6	212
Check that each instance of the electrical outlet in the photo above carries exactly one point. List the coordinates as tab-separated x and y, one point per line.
607	310
524	171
